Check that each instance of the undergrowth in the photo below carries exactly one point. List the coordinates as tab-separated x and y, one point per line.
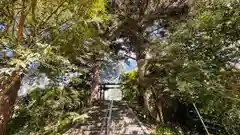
48	112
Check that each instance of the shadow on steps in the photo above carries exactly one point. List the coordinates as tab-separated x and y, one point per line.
123	122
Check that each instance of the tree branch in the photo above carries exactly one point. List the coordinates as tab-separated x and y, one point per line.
21	21
49	17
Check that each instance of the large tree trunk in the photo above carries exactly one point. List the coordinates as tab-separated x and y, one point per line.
8	97
153	106
141	64
95	82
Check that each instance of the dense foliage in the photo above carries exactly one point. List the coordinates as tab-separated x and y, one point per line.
199	64
129	86
50	112
63	38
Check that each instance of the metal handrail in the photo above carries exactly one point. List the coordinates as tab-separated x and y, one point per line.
104	121
109	118
201	119
138	121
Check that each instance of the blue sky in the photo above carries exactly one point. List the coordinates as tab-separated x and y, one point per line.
131	66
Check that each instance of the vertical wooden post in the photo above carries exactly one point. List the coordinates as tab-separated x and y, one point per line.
95	82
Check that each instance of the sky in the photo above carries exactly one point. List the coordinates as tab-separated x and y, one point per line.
131	66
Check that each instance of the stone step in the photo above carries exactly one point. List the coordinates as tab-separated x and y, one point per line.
99	129
128	134
122	121
103	133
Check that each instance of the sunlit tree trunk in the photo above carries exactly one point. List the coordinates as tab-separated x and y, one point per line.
141	64
8	97
159	111
22	21
95	82
155	110
8	93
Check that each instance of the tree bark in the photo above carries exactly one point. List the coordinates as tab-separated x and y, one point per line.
156	110
141	64
8	97
159	110
22	21
95	82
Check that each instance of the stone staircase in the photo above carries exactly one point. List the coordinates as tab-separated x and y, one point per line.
123	121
